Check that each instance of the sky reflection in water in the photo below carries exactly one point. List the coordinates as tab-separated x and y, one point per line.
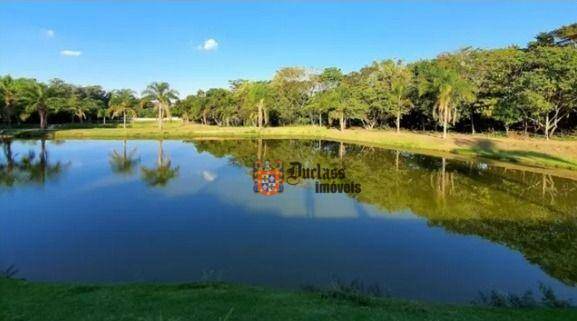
422	227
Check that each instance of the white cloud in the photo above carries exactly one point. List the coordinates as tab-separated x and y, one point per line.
71	53
209	45
209	176
48	33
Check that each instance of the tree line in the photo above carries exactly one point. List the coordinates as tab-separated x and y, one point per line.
533	89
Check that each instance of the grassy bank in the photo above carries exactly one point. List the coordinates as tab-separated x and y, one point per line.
21	300
526	151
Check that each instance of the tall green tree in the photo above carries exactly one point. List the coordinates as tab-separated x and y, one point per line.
253	99
9	93
495	97
324	95
293	87
38	98
341	98
545	90
220	106
162	97
123	102
193	107
390	85
449	90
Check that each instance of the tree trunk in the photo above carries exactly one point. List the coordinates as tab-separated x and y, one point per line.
43	115
124	119
398	121
160	117
445	121
547	127
472	124
8	109
259	111
320	119
526	125
342	121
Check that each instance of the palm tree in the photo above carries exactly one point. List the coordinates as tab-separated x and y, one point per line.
102	113
8	90
160	94
123	163
449	89
36	99
123	103
162	173
80	106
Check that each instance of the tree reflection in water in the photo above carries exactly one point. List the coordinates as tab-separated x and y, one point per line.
163	172
124	162
533	213
31	168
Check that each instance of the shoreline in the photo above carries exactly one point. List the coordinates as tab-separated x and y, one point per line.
559	155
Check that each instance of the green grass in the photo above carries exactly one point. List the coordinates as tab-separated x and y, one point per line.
537	152
21	300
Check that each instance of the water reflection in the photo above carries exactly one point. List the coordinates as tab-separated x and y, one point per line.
426	227
163	172
125	161
159	175
34	167
535	214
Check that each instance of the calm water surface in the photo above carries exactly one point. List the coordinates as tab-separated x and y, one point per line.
421	227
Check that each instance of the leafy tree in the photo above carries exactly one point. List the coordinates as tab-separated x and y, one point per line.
495	98
220	106
293	88
253	99
9	93
545	89
390	85
325	95
566	35
342	99
193	107
563	36
162	97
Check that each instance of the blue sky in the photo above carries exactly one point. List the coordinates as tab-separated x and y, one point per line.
129	44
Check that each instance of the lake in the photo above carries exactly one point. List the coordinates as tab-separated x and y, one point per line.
419	227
